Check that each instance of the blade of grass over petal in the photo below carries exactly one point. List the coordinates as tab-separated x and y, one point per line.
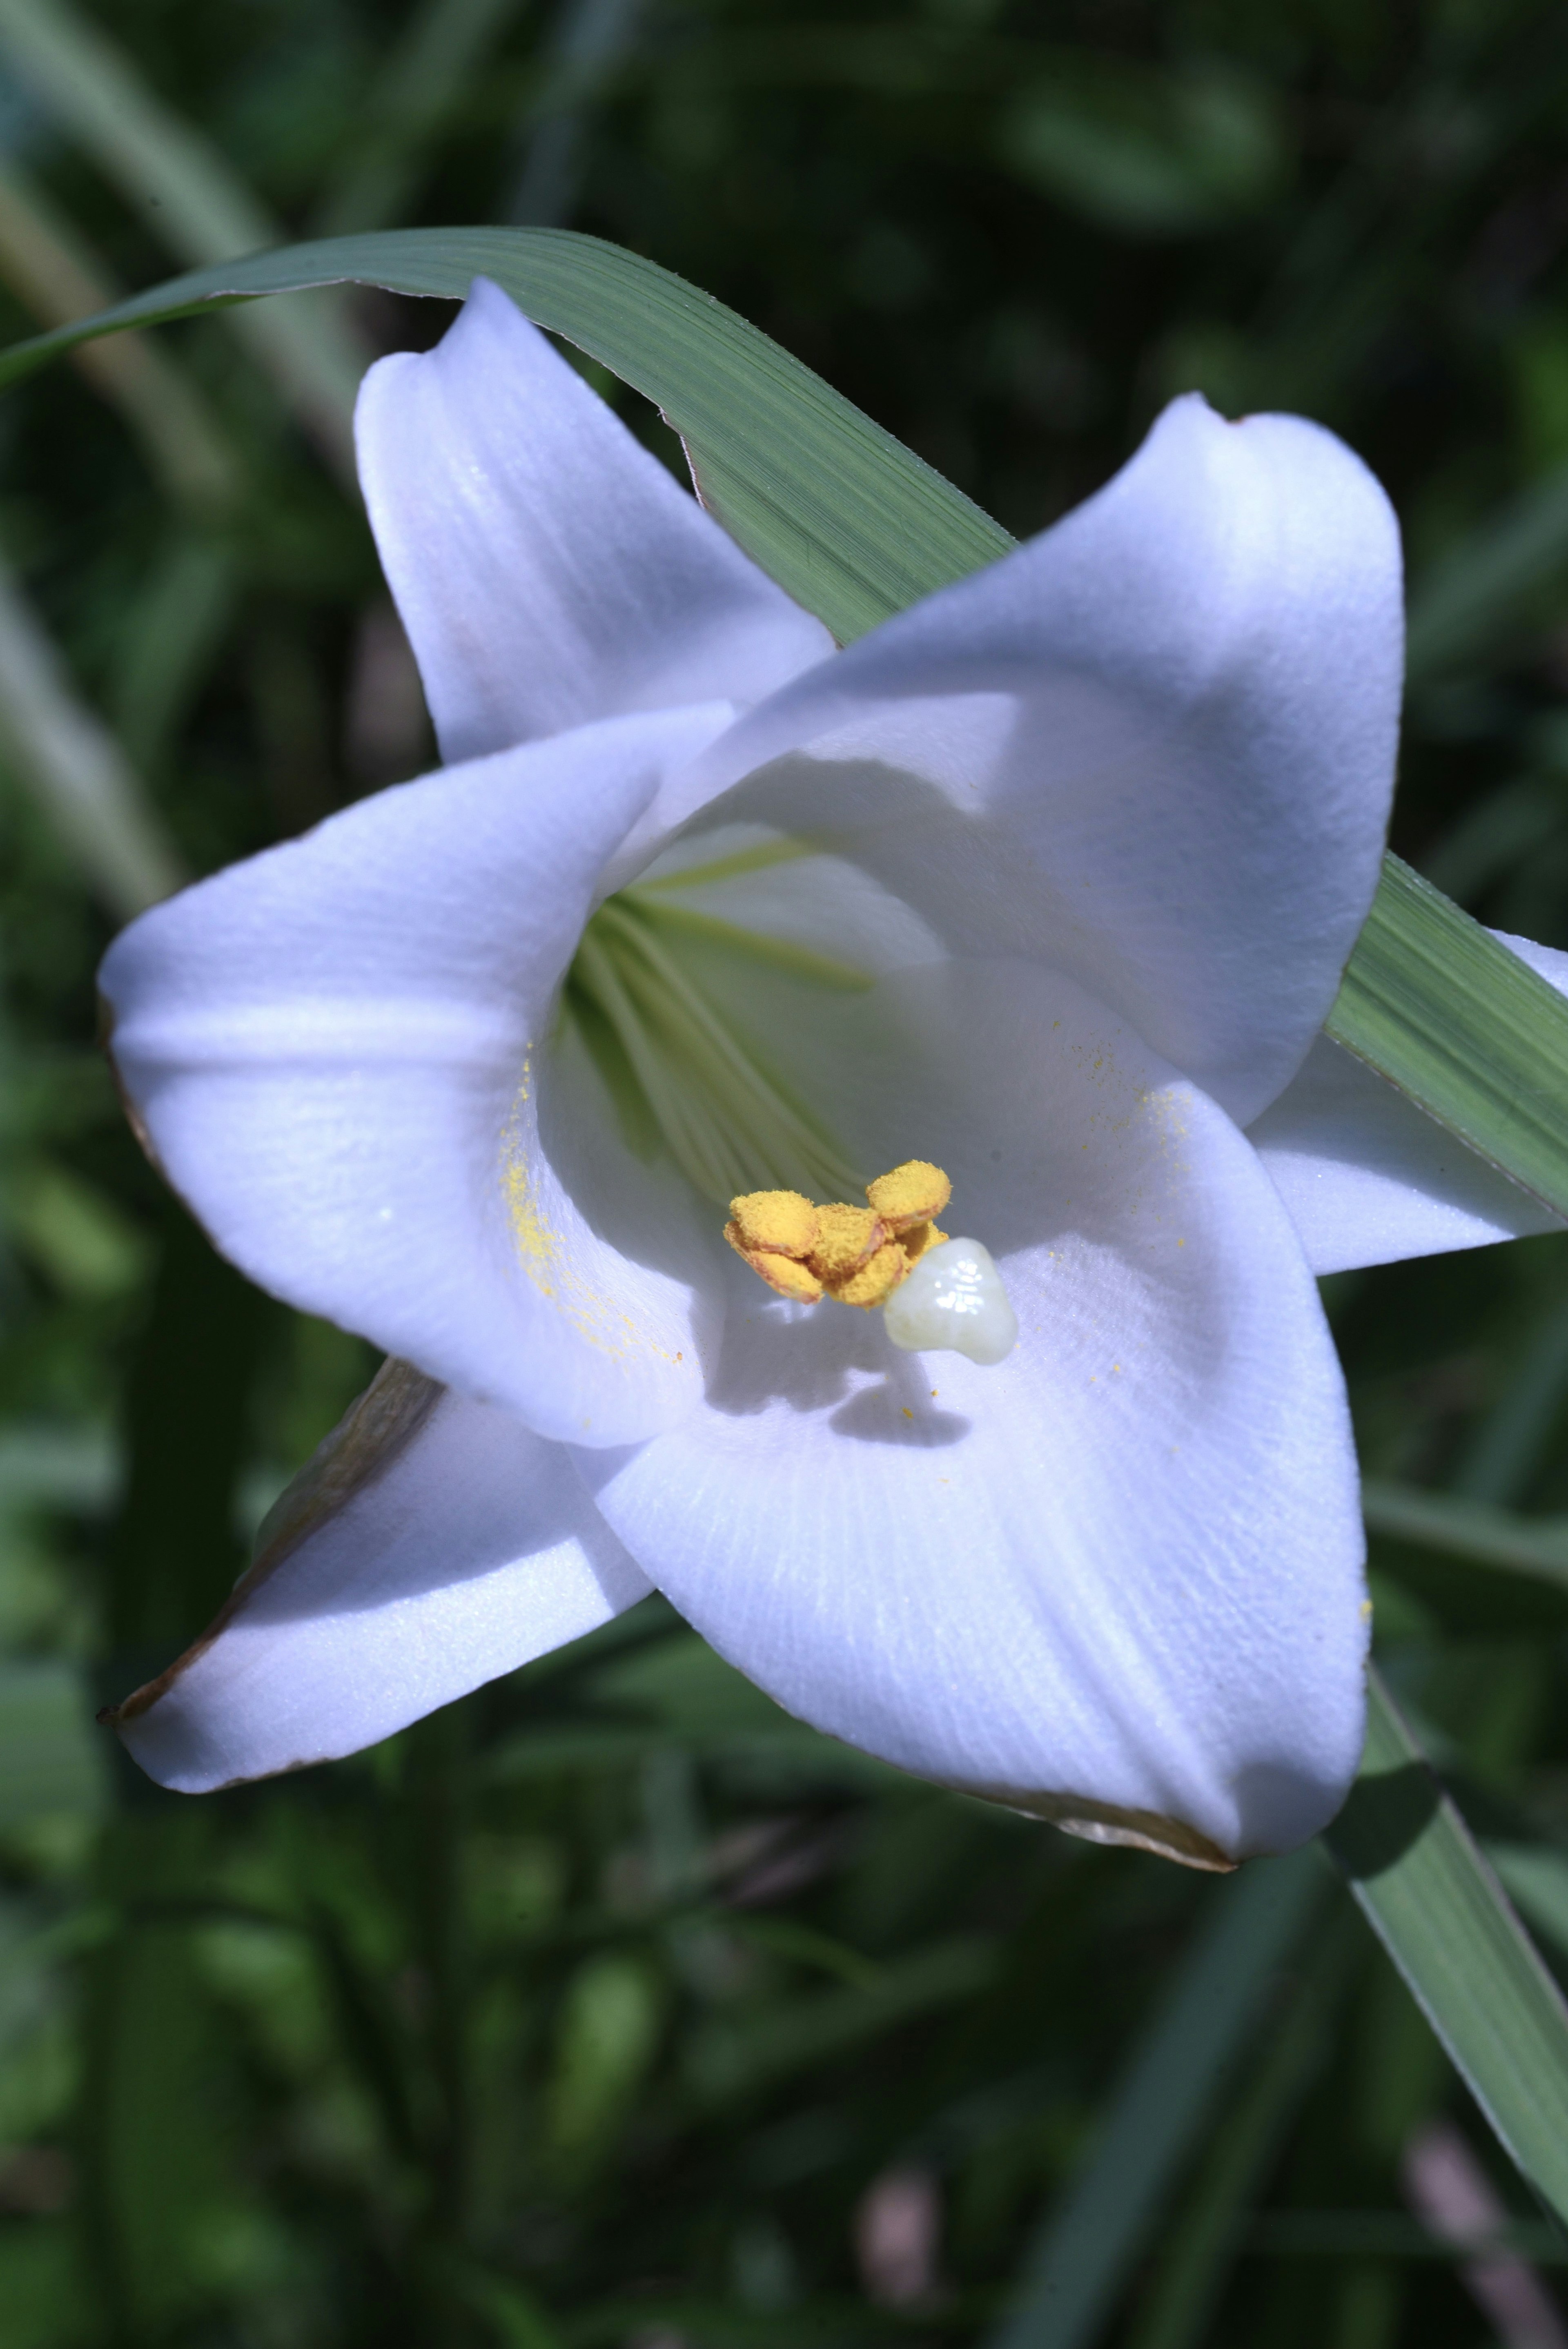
845	517
1167	2097
856	527
1434	1003
1446	1922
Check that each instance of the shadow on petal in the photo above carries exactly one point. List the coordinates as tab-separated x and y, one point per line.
880	1414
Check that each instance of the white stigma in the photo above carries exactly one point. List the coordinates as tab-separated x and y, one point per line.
954	1302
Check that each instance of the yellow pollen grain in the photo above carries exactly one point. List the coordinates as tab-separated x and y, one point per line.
918	1239
914	1193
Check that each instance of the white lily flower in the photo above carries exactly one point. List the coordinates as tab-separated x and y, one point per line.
1050	883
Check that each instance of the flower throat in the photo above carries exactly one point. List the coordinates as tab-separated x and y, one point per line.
652	991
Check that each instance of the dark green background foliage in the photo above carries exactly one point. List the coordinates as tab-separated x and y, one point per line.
611	2007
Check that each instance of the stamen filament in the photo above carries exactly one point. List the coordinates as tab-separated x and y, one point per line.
728	1120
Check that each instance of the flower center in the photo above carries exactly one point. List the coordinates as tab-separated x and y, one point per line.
940	1295
859	1254
658	993
672	1004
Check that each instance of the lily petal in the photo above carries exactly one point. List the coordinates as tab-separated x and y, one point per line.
437	1544
1116	1579
331	1051
548	569
1154	747
1369	1179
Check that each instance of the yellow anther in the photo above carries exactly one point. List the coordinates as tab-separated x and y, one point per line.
782	1222
847	1239
857	1255
875	1283
914	1193
795	1281
917	1238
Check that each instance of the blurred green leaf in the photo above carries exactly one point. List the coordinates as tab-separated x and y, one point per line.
163	2213
1444	1920
410	101
513	2314
77	1235
728	2058
165	165
1154	154
45	2293
605	2041
1392	2235
58	1468
1163	2103
1473	598
54	744
1177	2307
175	1546
52	1758
1475	1530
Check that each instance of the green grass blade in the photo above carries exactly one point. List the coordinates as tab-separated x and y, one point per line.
856	527
1445	1920
843	516
1535	1878
1166	2098
1431	1001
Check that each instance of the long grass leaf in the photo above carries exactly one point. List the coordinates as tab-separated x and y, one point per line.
851	522
1433	1002
856	527
1445	1920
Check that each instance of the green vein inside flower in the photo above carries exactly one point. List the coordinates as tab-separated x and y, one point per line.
659	992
